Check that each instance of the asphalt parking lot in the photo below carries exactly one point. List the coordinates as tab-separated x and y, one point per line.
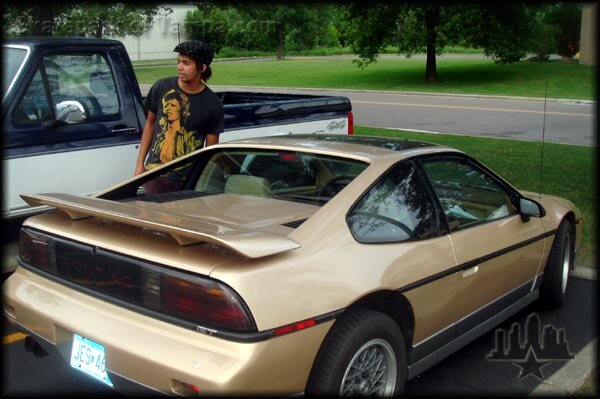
467	372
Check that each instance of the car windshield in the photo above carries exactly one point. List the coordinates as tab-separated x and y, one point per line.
12	59
277	174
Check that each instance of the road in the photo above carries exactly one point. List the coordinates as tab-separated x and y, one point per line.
467	372
566	121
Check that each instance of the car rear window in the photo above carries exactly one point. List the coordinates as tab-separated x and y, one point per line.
278	174
289	175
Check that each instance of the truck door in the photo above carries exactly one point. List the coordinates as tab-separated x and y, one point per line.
72	127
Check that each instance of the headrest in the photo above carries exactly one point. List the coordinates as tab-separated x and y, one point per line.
101	82
248	185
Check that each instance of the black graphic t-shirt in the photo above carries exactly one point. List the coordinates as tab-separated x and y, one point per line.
182	121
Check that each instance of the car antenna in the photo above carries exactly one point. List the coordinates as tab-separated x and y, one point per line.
543	130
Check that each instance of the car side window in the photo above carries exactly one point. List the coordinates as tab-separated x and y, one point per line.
468	195
34	104
85	78
399	207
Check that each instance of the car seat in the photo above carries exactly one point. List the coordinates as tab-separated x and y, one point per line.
248	185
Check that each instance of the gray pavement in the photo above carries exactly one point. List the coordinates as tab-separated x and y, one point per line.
563	383
468	372
564	121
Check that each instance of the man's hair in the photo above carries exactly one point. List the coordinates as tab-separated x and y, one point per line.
207	72
200	52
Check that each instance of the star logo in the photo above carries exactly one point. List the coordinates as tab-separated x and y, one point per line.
530	366
540	347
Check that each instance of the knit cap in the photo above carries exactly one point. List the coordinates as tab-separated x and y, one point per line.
197	50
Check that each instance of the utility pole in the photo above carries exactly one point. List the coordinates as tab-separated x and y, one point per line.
588	38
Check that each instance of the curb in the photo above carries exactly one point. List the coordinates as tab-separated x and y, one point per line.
570	377
586	273
146	87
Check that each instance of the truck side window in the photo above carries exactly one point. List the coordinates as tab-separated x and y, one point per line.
34	104
83	78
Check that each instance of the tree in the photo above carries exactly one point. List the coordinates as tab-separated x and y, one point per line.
108	20
80	19
502	30
565	20
297	25
30	19
218	25
263	27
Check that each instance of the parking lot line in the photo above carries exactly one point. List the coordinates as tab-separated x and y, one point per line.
471	108
9	339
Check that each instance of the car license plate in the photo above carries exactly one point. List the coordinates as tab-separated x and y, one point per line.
88	356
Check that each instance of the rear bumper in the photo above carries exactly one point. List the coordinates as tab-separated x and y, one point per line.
122	384
144	354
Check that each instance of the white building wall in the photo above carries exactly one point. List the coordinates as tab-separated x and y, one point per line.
158	43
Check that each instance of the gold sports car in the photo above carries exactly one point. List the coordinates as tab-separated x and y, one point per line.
321	264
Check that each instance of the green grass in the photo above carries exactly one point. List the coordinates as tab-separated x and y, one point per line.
461	76
569	171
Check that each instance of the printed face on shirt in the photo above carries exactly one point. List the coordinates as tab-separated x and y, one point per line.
171	109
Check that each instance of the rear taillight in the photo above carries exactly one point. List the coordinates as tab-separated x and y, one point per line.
206	301
350	123
199	302
34	249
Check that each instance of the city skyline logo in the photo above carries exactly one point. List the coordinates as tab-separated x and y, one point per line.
541	346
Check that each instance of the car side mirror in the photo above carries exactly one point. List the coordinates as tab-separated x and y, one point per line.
530	208
70	112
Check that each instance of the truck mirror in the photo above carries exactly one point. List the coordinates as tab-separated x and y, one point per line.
70	112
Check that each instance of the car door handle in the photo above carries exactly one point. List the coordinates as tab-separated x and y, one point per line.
470	271
124	130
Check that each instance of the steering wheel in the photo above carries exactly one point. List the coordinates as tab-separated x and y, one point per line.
386	219
278	185
334	186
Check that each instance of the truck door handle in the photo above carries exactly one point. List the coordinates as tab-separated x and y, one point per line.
124	130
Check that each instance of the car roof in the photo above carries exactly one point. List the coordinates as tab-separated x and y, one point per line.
57	41
370	147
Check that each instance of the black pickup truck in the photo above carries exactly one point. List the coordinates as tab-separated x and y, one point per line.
72	117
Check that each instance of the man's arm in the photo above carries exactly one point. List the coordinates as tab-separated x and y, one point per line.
212	138
147	135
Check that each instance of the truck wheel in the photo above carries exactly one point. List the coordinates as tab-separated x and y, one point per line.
560	261
364	356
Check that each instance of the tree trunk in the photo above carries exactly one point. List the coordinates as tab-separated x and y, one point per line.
100	28
432	20
280	41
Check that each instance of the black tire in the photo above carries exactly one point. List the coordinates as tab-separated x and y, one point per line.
367	333
560	261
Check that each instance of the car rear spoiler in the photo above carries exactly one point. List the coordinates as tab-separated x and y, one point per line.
185	230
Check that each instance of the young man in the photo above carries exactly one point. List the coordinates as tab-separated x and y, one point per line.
183	115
